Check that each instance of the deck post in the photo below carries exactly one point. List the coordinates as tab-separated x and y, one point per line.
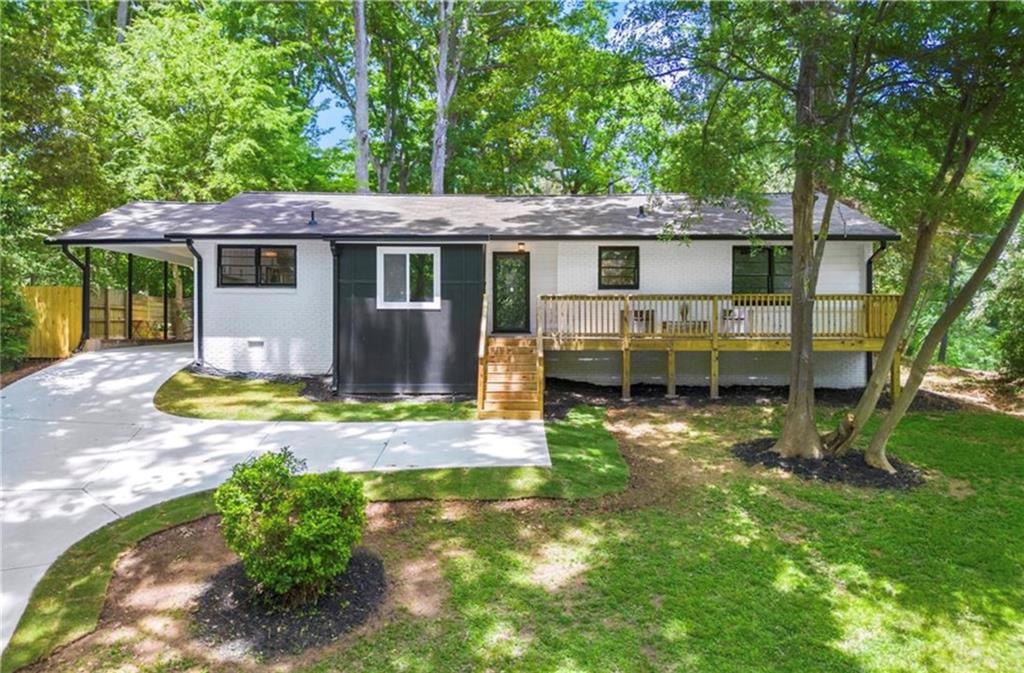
715	315
626	373
895	384
714	375
670	375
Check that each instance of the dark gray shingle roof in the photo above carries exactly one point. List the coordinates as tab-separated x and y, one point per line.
286	215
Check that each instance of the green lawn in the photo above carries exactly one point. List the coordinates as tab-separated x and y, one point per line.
703	564
197	396
66	603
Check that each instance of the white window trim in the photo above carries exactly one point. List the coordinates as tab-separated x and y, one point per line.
408	250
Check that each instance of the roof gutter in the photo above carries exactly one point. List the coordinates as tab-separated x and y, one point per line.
869	286
84	267
197	292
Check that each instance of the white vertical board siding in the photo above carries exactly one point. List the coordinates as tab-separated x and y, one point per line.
265	329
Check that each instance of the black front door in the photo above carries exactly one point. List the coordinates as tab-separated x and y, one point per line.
511	292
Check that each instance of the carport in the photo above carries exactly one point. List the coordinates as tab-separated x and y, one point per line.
137	230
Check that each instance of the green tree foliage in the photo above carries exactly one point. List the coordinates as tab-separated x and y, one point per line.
15	322
293	532
1007	312
193	116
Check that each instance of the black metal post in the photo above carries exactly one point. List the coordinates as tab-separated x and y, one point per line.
86	280
197	290
869	286
166	312
128	302
334	322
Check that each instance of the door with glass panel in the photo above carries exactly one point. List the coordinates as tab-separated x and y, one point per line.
511	292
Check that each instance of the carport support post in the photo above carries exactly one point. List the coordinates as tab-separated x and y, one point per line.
166	312
197	292
84	268
334	301
128	302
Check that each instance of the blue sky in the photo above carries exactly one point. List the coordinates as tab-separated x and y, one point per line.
331	119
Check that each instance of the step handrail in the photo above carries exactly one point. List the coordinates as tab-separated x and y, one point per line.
481	376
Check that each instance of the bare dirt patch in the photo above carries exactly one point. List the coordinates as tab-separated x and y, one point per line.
988	390
158	584
30	366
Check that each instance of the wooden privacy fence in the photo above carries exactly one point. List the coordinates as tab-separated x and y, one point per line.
58	320
108	316
58	324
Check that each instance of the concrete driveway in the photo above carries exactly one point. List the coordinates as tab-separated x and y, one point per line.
81	444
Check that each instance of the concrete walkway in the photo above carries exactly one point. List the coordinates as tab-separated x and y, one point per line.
81	444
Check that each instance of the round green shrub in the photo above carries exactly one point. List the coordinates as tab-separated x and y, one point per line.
293	532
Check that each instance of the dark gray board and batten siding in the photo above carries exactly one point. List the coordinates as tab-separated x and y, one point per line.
408	350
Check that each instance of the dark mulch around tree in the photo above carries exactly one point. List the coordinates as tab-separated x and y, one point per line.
29	366
233	614
561	395
848	469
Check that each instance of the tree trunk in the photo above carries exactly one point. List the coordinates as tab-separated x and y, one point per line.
449	59
875	453
362	111
440	138
122	19
960	148
950	283
799	435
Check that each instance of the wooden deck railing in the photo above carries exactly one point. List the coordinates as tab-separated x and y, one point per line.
709	316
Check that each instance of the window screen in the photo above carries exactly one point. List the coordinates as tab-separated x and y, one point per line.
618	268
762	270
408	277
256	266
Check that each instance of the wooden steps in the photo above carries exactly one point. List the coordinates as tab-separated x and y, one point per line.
512	382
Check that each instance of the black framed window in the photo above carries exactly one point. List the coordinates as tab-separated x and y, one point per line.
766	269
256	266
618	268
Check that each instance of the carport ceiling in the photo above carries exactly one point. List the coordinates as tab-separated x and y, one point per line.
176	253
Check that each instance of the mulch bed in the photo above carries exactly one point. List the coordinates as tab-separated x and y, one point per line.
231	613
561	395
847	469
30	366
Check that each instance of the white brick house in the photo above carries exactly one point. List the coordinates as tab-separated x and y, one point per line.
384	292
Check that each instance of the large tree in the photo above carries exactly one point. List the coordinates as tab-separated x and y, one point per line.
959	91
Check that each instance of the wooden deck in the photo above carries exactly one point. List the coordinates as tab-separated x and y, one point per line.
674	323
712	323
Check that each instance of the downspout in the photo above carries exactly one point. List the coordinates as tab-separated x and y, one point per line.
334	322
870	287
84	267
197	290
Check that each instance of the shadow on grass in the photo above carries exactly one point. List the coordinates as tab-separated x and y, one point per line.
66	603
198	396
